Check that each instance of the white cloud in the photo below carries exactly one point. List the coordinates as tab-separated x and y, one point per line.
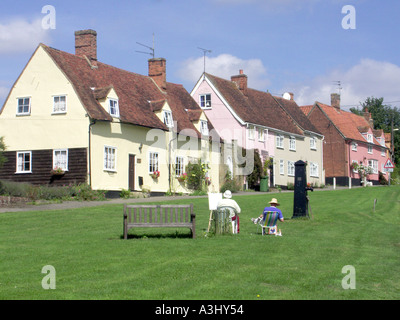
366	79
225	66
19	35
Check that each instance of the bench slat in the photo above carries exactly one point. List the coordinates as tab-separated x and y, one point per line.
158	216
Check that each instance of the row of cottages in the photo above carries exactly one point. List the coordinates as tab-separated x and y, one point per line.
349	138
256	120
71	119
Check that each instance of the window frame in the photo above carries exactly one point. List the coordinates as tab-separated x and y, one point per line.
203	100
354	146
23	113
115	106
291	168
153	161
17	171
204	127
374	165
314	169
168	119
106	160
65	104
179	165
279	141
292	143
313	143
66	159
282	167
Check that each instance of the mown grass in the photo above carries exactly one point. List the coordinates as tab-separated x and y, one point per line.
92	261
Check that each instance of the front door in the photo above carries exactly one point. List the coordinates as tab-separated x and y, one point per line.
131	172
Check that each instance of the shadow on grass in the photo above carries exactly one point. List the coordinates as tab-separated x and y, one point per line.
170	235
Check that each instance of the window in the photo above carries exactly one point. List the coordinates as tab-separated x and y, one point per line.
292	143
290	168
113	108
383	153
204	127
261	136
282	167
60	159
179	166
374	165
168	121
24	162
370	149
279	141
369	137
314	169
24	106
153	162
109	158
60	104
205	100
354	146
250	132
313	143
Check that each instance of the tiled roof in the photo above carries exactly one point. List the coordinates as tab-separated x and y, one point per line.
261	108
351	126
306	109
138	95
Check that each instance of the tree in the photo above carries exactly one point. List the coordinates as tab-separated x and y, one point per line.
384	116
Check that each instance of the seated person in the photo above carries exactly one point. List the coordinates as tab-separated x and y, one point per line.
273	207
228	202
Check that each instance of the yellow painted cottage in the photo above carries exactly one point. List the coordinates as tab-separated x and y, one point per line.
72	119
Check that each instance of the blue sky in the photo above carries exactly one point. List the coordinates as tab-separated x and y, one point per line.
282	45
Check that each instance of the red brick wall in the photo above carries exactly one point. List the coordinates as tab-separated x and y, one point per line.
335	155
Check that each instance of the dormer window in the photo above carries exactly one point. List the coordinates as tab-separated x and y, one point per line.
369	137
205	101
204	127
168	121
113	108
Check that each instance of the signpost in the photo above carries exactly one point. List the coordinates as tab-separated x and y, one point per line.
389	166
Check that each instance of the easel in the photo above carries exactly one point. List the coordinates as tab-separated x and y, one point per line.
213	199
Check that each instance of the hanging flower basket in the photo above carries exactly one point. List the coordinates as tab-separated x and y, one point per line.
57	171
208	181
155	174
182	178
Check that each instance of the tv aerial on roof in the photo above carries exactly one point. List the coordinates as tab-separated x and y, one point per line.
337	82
205	51
151	48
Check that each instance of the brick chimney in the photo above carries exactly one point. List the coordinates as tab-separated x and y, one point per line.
367	116
241	82
86	45
335	100
158	72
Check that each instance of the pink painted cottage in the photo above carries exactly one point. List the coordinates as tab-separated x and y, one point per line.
254	119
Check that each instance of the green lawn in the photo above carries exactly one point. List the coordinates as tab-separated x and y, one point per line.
93	262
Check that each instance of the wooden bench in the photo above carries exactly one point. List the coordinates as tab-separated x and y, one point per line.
159	216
